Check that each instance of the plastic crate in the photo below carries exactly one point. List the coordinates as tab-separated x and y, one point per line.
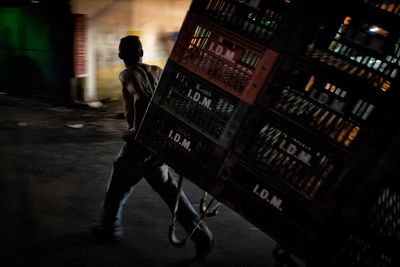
287	158
366	48
234	64
336	111
274	209
373	241
257	20
210	110
184	149
384	214
356	251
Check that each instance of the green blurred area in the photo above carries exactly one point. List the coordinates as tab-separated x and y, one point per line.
35	50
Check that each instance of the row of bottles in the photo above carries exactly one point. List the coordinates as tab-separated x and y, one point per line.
326	111
391	6
194	115
370	36
365	51
259	24
291	159
388	66
358	71
220	59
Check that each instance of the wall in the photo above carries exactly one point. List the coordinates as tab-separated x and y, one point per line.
154	21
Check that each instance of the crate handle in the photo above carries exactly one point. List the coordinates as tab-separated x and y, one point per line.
173	239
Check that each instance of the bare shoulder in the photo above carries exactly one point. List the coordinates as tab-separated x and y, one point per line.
122	75
153	69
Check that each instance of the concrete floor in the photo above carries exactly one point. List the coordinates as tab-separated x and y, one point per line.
53	176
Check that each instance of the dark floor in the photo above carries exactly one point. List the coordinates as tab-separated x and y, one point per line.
54	167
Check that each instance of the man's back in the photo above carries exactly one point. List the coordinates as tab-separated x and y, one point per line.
138	84
145	76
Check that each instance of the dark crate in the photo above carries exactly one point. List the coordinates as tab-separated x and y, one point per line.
180	146
210	110
384	215
356	251
345	115
375	239
364	47
239	67
275	210
285	156
371	220
257	20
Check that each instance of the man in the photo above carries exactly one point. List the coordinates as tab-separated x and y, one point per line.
134	162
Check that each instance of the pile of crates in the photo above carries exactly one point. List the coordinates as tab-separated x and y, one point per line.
286	111
211	80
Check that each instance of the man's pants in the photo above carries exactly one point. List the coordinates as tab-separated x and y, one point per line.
128	169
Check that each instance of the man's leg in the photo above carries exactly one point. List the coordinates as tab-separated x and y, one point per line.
124	176
166	186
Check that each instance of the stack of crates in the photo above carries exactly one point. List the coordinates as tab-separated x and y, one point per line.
287	112
211	81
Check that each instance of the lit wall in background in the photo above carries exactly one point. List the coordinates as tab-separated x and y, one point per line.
156	21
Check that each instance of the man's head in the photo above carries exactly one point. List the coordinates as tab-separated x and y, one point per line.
130	49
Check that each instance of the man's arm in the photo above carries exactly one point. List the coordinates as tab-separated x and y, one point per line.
135	104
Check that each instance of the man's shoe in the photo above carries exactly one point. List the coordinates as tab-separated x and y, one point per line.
107	234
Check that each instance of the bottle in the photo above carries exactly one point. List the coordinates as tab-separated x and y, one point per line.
367	112
332	46
344	130
284	166
325	175
296	175
383	5
321	119
300	175
351	135
311	109
396	11
276	161
310	182
296	105
230	13
353	70
303	108
212	7
328	125
316	175
287	171
315	116
272	157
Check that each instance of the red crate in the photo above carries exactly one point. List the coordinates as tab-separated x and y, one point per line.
236	65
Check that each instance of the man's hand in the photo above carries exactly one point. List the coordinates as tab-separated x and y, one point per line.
129	135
